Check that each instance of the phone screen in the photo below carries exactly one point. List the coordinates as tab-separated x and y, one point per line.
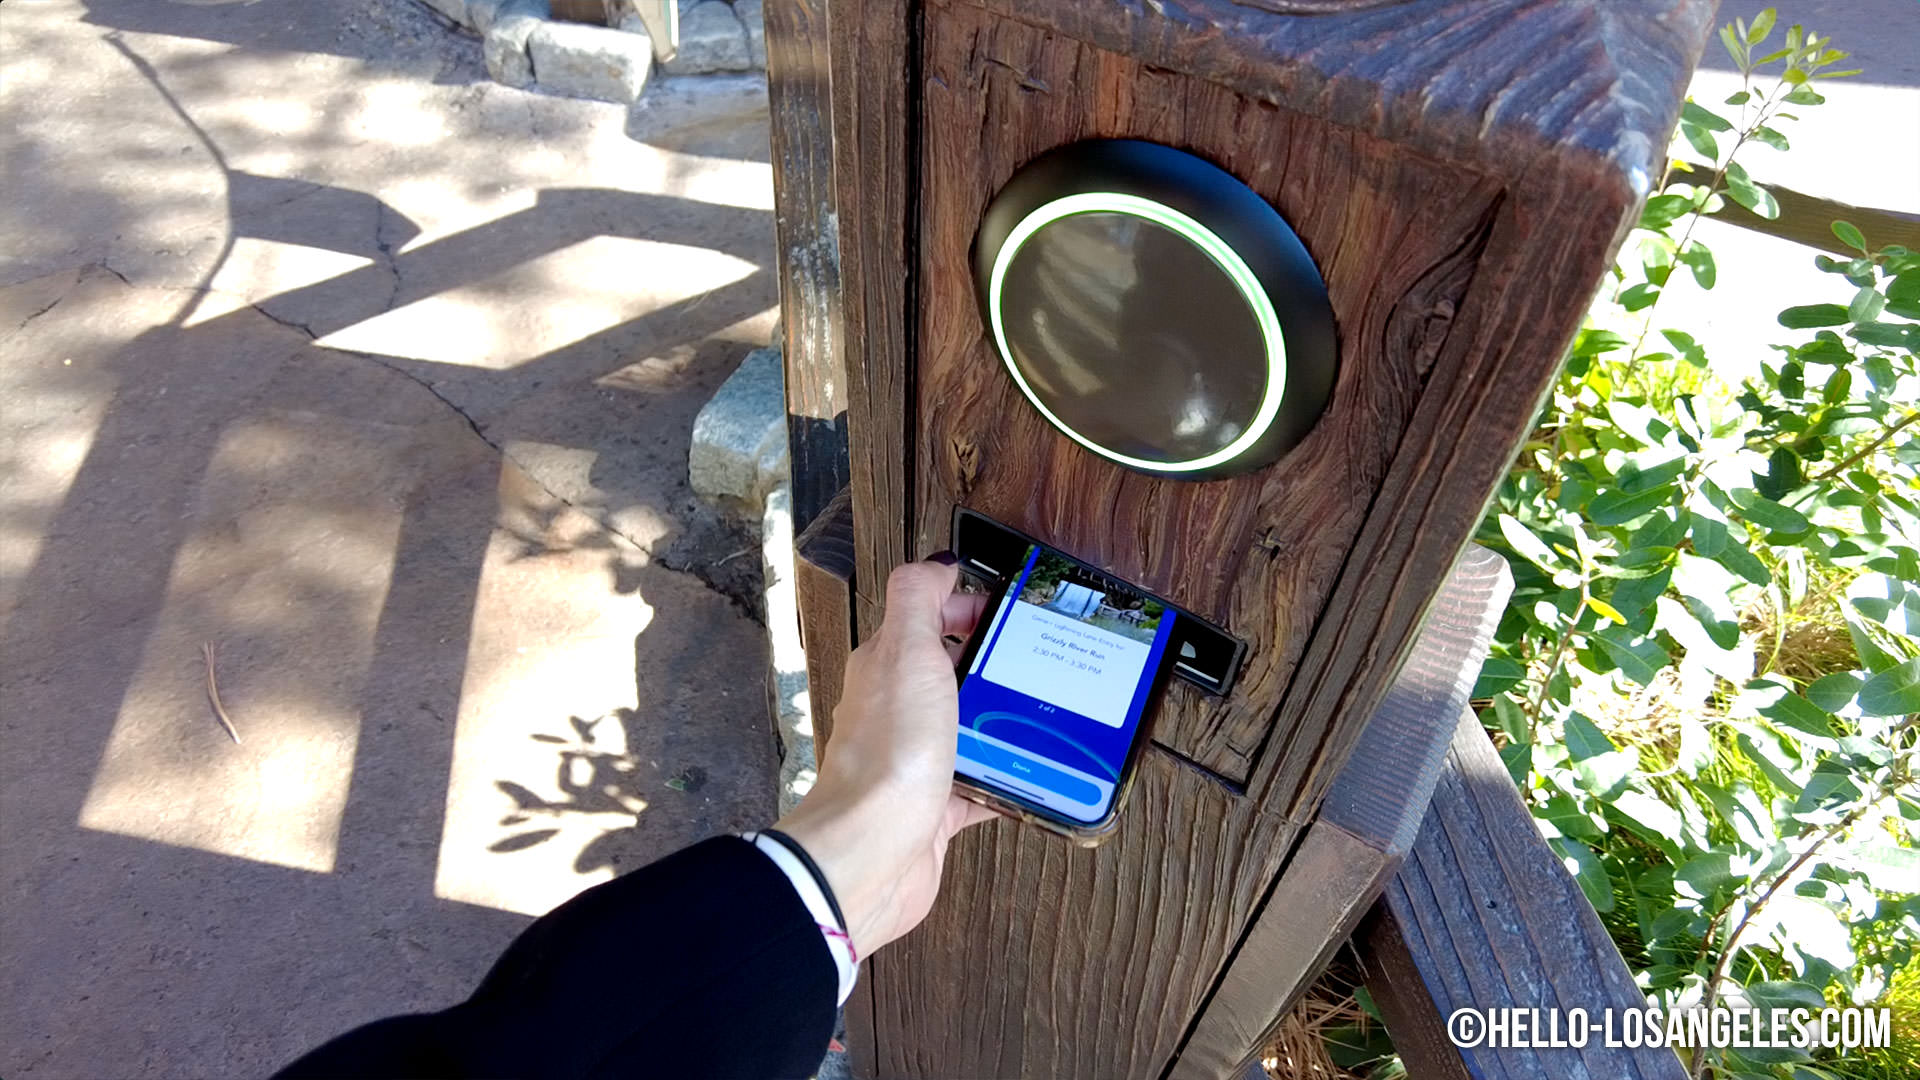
1056	685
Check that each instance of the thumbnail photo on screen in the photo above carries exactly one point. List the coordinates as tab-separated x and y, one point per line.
1059	586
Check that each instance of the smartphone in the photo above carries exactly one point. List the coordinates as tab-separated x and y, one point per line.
1056	685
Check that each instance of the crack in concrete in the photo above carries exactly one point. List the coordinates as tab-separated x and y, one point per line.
594	514
382	215
51	304
294	324
56	301
668	560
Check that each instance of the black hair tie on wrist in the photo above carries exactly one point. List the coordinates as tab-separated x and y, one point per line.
813	868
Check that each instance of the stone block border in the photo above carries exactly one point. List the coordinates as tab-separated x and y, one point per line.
526	47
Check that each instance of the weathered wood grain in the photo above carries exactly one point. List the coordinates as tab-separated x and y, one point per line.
1483	914
1460	171
1047	960
1493	84
872	47
807	236
1397	238
1366	826
823	557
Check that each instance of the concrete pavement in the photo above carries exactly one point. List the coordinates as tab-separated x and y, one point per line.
320	348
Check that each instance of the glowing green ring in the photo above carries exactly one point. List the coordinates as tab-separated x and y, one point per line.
1092	202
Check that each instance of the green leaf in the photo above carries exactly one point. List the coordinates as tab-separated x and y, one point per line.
1518	758
1804	95
1701	140
1709	875
1890	868
1654	820
1888	335
1639	658
1834	692
1568	816
1663	210
1826	348
1700	261
1635	420
1887	600
1867	305
1679	621
1790	710
1762	26
1709	535
1738	559
1645	560
1880	373
1591	342
1765	751
1811	928
1767	514
1690	350
1693	113
1664	528
1738	97
1849	235
1770	137
1828	791
1587	869
1750	195
1618	507
1785	995
1904	286
1526	544
1583	739
1639	296
1498	674
1632	595
1736	47
1636	475
1510	718
1893	692
1811	315
1783	473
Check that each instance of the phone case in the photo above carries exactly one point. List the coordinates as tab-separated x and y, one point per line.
1086	836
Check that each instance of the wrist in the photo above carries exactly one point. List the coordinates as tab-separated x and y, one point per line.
843	844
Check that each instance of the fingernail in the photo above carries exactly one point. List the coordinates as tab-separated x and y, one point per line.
944	558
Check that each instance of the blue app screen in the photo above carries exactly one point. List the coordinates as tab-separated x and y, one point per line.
1056	690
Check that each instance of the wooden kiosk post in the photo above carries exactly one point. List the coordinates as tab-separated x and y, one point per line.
1460	171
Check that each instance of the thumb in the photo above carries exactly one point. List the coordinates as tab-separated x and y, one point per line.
916	595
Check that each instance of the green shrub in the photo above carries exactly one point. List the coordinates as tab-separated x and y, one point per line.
1706	682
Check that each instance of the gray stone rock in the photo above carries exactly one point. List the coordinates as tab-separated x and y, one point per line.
505	42
754	19
596	62
482	14
715	105
711	39
739	448
660	19
452	9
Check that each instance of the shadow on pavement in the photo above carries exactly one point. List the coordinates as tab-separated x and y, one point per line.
328	520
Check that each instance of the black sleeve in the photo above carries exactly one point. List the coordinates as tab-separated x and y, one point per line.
704	964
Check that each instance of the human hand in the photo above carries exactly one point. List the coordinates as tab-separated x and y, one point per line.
883	809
